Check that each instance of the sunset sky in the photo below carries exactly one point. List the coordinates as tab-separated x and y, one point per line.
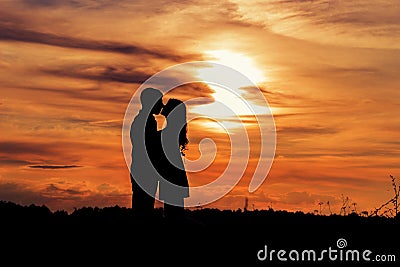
330	71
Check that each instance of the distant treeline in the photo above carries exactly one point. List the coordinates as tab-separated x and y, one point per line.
204	218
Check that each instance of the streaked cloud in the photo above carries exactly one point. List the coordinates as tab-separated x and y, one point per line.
54	167
19	147
193	93
101	73
369	24
23	35
301	130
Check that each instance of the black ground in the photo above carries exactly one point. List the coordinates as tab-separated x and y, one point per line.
114	236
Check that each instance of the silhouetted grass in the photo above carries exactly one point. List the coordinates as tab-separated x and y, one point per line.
115	234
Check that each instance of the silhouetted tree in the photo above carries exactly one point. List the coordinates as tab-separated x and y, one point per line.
329	207
386	209
354	210
345	203
320	207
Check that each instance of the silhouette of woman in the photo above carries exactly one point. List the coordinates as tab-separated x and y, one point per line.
174	188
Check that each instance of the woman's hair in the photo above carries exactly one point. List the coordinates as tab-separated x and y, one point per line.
183	140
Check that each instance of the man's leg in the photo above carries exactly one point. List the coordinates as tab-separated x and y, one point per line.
138	198
174	211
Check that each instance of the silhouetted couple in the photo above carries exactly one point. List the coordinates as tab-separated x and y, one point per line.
157	156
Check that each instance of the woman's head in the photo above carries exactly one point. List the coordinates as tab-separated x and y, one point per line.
175	113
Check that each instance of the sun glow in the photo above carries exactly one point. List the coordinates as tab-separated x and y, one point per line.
233	101
240	62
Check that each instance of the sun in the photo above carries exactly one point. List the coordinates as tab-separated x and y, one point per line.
238	61
233	101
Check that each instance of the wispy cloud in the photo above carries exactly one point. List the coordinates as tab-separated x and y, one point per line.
193	93
54	167
357	23
23	35
305	198
122	74
44	155
19	147
8	161
65	192
304	130
61	196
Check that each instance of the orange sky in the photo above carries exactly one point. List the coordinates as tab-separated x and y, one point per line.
330	72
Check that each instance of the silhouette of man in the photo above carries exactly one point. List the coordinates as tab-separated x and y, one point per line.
145	149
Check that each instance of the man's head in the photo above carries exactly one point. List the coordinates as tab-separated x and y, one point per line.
151	100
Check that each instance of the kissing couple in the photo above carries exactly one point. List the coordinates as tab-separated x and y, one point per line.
157	156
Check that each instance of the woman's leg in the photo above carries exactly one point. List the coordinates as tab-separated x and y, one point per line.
174	211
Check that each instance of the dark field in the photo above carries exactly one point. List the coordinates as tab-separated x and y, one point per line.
114	236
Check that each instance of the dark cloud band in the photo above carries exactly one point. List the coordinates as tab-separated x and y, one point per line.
22	35
54	167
